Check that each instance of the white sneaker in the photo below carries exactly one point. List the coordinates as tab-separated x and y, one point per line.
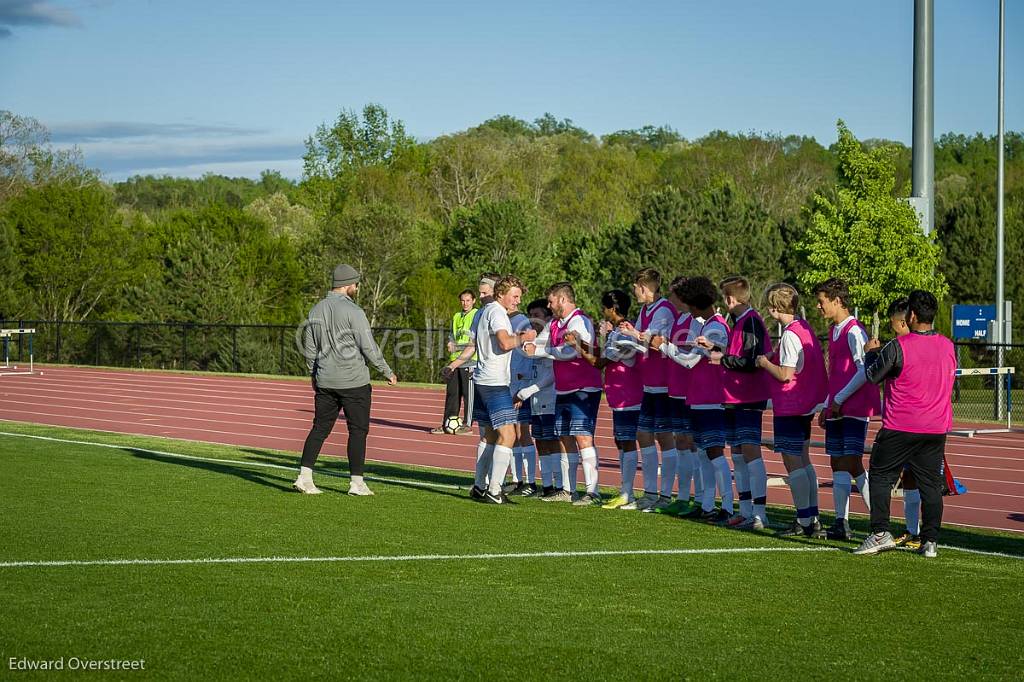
307	487
359	489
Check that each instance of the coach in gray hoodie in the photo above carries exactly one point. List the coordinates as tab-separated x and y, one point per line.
337	344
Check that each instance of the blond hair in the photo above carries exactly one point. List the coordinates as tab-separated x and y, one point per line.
507	284
783	298
737	287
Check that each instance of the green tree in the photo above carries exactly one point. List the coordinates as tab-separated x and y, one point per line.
866	235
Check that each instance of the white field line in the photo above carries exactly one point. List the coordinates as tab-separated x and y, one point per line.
263	465
414	557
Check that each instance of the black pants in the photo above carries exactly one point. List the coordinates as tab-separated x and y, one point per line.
327	404
923	453
456	392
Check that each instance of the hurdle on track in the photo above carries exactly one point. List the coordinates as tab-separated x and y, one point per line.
7	369
1006	374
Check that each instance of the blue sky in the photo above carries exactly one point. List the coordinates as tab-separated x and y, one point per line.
234	87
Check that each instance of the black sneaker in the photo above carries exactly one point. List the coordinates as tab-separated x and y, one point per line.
500	498
795	530
512	488
696	513
717	516
548	491
840	530
814	530
476	493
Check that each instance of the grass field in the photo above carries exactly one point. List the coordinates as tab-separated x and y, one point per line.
759	607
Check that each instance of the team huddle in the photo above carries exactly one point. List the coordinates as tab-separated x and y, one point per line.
683	381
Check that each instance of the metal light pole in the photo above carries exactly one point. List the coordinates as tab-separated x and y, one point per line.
1000	290
923	177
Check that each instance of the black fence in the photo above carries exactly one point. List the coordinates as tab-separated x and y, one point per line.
414	354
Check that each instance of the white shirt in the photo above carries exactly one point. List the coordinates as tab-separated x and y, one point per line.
493	363
521	366
621	348
541	391
856	338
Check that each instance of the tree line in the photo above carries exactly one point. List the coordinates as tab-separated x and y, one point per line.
545	199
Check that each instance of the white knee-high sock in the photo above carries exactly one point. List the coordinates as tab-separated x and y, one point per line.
530	461
517	470
306	474
574	467
800	488
562	471
627	465
589	457
812	490
862	486
723	479
912	510
649	459
499	467
758	487
546	475
669	461
484	455
698	474
707	468
841	488
742	484
686	460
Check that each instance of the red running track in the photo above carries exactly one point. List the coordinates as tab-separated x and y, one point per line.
269	413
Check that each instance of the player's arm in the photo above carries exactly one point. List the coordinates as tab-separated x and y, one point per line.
753	342
885	363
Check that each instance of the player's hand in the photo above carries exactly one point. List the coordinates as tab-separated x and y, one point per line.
703	342
821	418
448	371
604	328
873	344
451	346
528	335
392	380
572	340
517	403
835	411
655	341
762	361
530	348
715	357
628	329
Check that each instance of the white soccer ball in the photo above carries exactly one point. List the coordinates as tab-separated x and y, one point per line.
451	424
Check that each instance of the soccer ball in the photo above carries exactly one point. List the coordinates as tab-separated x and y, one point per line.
451	424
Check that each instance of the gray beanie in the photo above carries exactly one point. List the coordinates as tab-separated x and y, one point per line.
344	275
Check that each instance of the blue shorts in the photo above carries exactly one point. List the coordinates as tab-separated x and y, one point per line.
492	406
708	428
655	413
845	437
524	414
542	427
624	424
791	433
742	426
679	416
576	413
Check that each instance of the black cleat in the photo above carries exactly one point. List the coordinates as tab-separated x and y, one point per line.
476	493
527	490
840	530
795	530
814	530
500	498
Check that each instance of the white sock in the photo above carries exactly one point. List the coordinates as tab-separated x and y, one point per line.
546	474
707	469
502	460
862	486
484	455
801	489
841	488
306	474
649	459
912	510
698	474
530	459
812	490
356	480
758	487
669	461
627	464
562	473
574	471
517	470
686	460
589	457
742	475
723	479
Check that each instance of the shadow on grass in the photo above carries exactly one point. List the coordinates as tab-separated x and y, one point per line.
264	478
399	476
